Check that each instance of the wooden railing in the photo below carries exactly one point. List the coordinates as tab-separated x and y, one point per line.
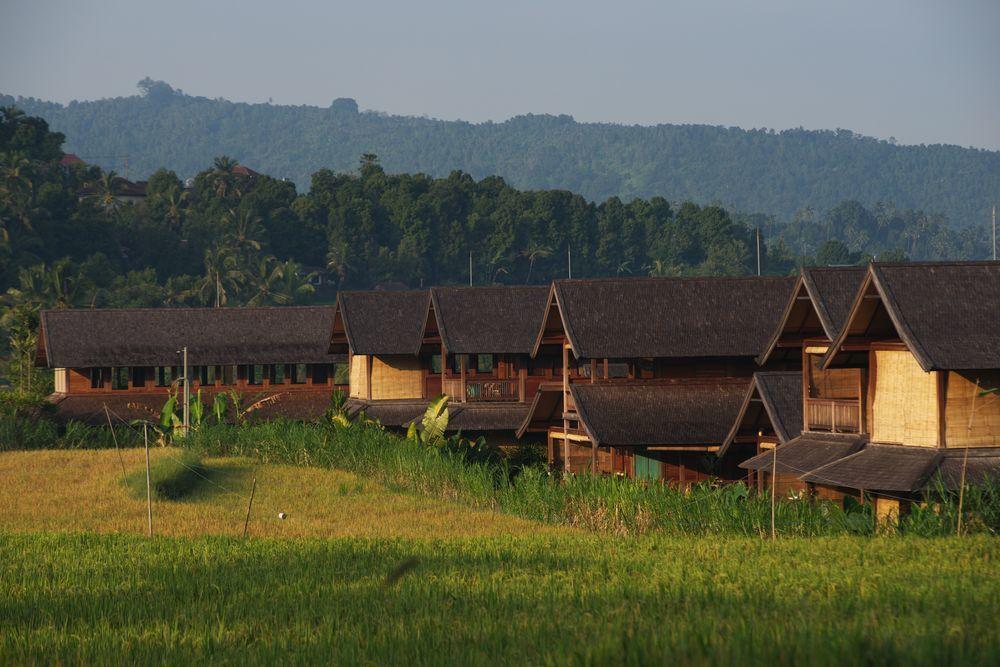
484	390
837	415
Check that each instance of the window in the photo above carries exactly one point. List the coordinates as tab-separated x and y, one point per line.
320	373
206	375
255	374
164	376
456	363
139	377
96	378
229	375
299	374
341	374
484	363
119	377
436	364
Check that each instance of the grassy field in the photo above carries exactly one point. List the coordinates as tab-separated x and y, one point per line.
382	577
83	491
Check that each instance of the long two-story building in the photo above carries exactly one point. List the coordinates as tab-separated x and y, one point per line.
128	360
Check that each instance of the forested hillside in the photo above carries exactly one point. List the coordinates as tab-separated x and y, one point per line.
777	173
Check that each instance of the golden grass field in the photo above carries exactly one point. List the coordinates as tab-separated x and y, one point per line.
83	491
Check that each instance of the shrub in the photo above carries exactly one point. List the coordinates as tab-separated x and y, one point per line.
171	477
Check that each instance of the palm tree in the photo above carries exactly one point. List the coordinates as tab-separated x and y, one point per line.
175	198
532	252
18	192
338	260
222	276
104	192
222	176
244	231
281	283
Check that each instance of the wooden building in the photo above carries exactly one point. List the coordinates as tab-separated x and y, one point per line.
818	410
653	372
471	343
925	339
128	360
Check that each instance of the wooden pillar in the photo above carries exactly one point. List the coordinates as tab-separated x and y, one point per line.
368	373
605	368
521	377
444	365
461	368
565	371
593	371
551	449
593	458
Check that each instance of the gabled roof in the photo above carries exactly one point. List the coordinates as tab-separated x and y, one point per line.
501	320
670	317
82	338
466	417
776	397
947	313
806	453
830	292
662	414
378	322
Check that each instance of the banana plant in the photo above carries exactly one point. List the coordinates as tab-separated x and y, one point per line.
168	413
197	410
337	412
432	425
219	408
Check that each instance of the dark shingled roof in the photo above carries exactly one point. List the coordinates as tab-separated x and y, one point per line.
947	313
878	468
502	320
806	453
983	462
662	414
671	317
461	416
384	322
389	412
780	397
832	291
89	408
544	409
81	338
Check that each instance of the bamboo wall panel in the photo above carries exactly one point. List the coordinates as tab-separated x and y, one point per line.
833	383
396	377
972	420
905	410
359	376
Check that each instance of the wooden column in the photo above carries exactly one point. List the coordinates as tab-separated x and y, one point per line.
565	371
522	374
444	365
461	368
593	371
368	373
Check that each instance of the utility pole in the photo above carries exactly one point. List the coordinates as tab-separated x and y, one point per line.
994	233
187	391
758	251
569	261
470	268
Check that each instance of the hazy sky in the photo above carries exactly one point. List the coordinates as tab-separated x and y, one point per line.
918	70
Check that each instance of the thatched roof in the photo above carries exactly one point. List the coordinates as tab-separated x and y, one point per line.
947	313
772	397
129	406
398	413
383	322
670	317
879	468
659	414
819	304
806	453
81	338
501	320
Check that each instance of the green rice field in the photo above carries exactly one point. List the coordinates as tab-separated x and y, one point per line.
546	599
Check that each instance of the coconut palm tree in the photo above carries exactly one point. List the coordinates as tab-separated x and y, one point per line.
532	252
280	283
222	177
175	199
223	276
244	231
104	192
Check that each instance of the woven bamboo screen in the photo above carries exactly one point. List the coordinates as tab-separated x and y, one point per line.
61	381
833	383
359	376
905	409
396	377
972	420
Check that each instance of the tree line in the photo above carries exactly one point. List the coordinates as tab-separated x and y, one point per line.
231	236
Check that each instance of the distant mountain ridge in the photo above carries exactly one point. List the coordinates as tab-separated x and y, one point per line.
777	173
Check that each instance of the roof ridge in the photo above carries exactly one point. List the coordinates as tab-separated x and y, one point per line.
183	309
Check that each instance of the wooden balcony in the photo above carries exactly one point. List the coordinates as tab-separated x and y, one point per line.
836	415
484	390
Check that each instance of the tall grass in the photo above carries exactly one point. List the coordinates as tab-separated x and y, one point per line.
597	503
